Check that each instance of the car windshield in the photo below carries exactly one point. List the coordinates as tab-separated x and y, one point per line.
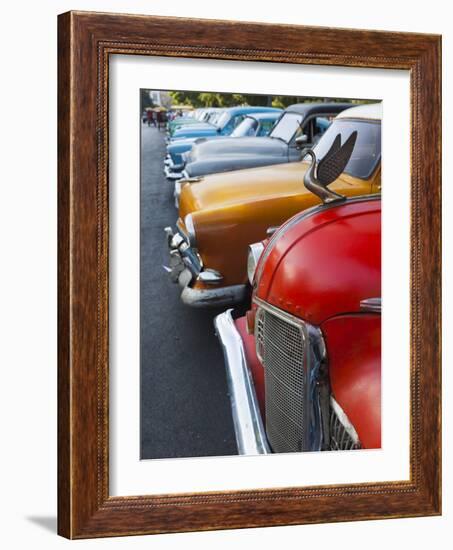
287	127
214	117
367	149
223	120
246	128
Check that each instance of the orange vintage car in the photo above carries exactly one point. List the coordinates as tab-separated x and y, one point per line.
222	214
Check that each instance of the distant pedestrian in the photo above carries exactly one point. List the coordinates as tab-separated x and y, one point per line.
160	115
149	117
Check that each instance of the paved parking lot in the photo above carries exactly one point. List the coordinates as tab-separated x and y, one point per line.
185	410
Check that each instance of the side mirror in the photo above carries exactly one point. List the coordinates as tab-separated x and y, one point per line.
301	141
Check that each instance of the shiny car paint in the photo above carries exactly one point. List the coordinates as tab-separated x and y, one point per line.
354	344
230	214
178	147
318	267
217	157
199	116
326	264
234	116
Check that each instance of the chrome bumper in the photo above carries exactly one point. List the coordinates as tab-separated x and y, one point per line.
215	297
248	425
172	171
171	175
185	267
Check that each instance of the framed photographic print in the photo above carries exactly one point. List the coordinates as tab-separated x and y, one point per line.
249	275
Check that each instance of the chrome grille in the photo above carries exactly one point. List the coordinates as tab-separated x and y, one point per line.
259	337
281	346
343	436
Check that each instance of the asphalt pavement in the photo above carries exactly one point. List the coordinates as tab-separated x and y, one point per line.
185	409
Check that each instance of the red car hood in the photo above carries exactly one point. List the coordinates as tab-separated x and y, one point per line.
323	262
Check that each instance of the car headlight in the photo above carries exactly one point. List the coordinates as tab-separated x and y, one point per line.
255	251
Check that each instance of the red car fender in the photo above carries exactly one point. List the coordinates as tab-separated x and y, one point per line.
324	264
353	343
253	363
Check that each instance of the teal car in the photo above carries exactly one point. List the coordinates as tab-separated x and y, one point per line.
199	116
223	125
252	125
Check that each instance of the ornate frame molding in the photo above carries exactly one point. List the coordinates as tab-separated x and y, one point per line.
86	40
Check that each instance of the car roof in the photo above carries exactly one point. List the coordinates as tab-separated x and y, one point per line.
267	115
252	109
371	111
318	107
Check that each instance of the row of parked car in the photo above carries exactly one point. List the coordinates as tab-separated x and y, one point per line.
286	216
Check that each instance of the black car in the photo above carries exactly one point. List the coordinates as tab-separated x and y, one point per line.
300	126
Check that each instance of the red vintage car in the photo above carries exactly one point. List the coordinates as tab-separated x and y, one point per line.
304	365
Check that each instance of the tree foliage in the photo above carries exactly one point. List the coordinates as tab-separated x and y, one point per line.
217	99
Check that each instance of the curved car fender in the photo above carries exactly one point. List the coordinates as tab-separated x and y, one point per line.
324	264
353	344
223	234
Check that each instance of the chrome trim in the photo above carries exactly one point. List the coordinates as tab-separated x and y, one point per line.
248	424
319	189
271	230
254	253
170	162
190	227
182	255
225	296
210	276
371	304
187	179
179	184
169	174
301	216
345	422
186	265
315	365
177	193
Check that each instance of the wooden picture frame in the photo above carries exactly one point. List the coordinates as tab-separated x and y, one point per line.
85	41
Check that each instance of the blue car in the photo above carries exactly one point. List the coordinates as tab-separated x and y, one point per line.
234	122
199	116
224	126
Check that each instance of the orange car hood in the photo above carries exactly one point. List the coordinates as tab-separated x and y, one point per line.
247	186
244	186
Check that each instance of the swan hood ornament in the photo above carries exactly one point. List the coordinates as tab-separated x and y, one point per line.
322	173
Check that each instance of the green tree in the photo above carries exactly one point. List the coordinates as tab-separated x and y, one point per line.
185	98
217	99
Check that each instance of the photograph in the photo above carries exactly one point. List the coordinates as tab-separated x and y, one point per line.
260	273
197	252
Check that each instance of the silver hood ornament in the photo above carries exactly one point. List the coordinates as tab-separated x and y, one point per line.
321	174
